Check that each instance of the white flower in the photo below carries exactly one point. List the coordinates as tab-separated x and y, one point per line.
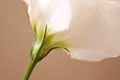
93	34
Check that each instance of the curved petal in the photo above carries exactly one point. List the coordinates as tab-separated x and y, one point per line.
56	14
97	36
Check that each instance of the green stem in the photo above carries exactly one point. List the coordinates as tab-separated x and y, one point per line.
34	55
29	70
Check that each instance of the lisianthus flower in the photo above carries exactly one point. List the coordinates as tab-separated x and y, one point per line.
86	29
89	28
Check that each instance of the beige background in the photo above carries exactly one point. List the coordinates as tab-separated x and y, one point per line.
16	38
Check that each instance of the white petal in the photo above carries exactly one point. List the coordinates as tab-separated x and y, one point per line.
61	17
93	54
55	13
27	1
97	36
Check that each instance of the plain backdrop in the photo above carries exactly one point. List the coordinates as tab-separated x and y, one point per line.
16	38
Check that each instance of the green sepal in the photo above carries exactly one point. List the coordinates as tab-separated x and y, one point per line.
44	43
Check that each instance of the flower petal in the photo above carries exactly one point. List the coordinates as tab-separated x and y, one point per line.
95	36
55	13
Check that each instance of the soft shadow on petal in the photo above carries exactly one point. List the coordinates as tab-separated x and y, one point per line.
94	37
56	14
60	18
